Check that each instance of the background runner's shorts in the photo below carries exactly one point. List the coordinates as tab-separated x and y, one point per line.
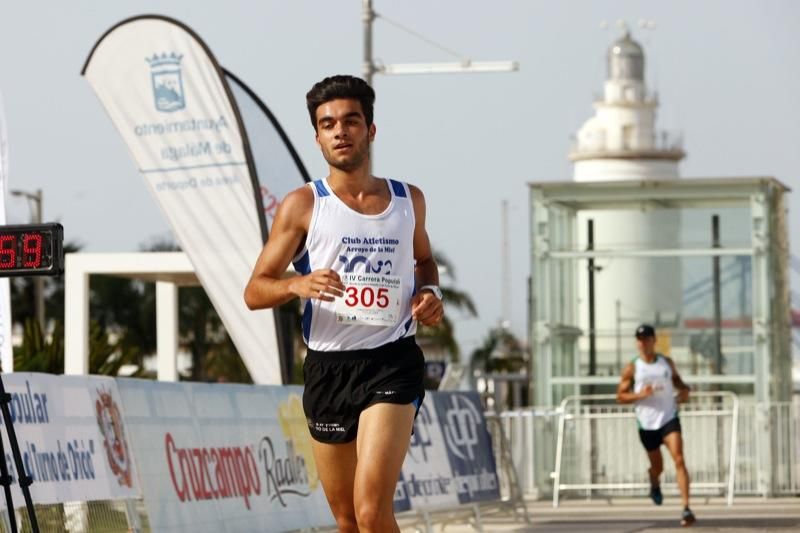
652	439
339	385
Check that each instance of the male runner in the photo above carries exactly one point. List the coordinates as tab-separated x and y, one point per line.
367	277
654	380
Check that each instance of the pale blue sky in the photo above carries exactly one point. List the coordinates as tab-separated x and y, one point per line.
723	70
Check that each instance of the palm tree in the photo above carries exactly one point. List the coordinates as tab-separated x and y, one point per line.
501	351
202	334
442	336
113	302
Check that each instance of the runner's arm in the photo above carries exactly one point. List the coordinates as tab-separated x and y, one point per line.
624	393
268	287
678	383
425	307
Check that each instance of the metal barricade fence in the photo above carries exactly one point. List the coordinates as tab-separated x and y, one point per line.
107	516
533	436
531	433
612	460
786	424
769	449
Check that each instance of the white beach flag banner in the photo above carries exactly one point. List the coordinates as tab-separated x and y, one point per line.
167	97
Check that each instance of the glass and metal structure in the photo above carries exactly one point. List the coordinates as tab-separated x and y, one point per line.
706	263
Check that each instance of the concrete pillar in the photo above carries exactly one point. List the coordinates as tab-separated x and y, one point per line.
76	320
167	330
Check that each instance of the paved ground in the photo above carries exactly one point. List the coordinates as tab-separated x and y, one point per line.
632	515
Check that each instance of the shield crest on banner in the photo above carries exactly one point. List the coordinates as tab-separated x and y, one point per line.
168	90
167	81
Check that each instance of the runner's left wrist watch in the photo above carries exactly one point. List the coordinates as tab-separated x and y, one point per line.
434	289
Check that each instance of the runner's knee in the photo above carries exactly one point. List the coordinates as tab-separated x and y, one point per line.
345	517
371	516
346	524
343	512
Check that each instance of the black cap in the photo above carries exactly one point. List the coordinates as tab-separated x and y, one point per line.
645	330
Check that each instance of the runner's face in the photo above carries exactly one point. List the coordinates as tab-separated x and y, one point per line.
343	134
646	345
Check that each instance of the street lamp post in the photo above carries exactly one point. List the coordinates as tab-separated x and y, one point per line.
465	65
38	282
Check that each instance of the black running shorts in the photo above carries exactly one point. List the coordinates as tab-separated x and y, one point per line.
340	385
652	439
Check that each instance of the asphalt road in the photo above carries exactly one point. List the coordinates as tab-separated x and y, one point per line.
627	516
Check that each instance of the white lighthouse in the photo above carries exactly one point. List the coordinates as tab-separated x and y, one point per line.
621	142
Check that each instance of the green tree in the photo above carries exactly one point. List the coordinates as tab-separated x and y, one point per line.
23	297
442	335
501	351
201	332
45	353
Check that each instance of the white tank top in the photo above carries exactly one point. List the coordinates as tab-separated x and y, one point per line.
655	411
374	255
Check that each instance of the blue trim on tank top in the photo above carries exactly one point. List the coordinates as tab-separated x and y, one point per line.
307	320
303	265
398	188
321	189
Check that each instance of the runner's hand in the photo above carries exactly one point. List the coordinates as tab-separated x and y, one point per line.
683	395
646	391
324	284
426	308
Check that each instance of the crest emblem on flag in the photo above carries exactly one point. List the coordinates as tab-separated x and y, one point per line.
165	73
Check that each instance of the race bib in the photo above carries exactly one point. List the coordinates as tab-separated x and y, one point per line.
369	300
659	386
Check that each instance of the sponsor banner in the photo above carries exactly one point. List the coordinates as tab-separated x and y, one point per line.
6	352
469	446
72	439
450	459
167	97
427	477
223	457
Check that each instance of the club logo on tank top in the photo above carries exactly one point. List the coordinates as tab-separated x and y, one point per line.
372	295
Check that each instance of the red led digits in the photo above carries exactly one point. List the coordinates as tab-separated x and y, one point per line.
32	250
8	251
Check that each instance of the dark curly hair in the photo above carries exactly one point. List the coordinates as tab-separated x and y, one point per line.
340	86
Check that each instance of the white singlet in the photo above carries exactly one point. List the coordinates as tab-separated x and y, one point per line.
374	255
656	410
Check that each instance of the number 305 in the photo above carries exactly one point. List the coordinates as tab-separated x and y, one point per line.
367	297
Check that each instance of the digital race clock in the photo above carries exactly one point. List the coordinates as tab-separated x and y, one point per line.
32	250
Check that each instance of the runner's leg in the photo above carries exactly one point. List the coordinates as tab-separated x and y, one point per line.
384	433
336	464
656	466
674	442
